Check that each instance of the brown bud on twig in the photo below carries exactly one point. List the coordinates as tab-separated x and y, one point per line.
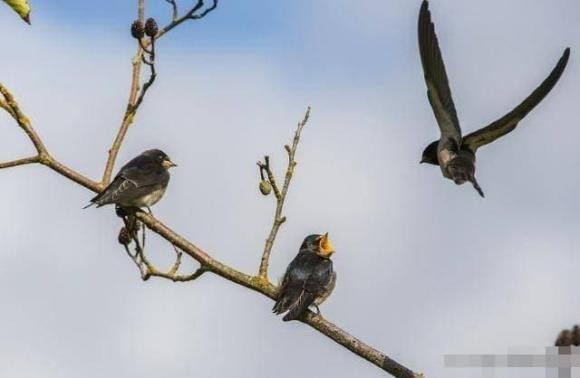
124	236
265	187
137	29
151	27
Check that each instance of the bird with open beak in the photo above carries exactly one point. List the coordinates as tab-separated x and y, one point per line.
309	279
140	183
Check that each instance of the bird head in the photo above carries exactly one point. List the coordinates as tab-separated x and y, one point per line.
430	154
319	244
160	157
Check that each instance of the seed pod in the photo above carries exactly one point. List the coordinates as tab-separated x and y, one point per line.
124	237
151	28
137	29
265	187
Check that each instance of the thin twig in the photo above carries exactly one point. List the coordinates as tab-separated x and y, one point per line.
175	14
145	266
152	76
24	161
189	15
130	110
280	195
178	277
135	99
7	108
22	120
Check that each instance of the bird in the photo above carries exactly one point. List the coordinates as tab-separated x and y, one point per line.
309	279
453	153
140	183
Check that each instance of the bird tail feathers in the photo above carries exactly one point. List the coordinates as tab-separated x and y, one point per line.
476	186
299	307
89	205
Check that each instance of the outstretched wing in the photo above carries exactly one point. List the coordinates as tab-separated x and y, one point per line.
436	78
509	122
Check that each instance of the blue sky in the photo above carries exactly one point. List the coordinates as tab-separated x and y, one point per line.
424	267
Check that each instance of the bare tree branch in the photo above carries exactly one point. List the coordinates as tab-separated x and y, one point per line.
13	109
7	108
152	76
15	163
255	283
175	13
131	110
280	195
258	283
129	235
189	15
135	99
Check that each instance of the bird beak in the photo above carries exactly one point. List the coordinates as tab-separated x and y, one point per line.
169	164
326	248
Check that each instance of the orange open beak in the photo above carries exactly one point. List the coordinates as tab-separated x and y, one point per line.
326	247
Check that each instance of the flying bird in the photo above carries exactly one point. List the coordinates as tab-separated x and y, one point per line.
140	183
309	279
454	153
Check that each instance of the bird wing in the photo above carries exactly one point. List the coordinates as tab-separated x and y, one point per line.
509	122
137	178
313	287
436	78
292	283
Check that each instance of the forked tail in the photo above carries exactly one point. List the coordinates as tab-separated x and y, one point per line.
473	180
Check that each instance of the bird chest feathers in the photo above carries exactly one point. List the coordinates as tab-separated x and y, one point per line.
151	198
445	157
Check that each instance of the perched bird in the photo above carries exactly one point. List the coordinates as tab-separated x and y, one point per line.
309	279
455	154
140	183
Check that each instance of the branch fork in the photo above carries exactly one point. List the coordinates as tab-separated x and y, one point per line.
280	195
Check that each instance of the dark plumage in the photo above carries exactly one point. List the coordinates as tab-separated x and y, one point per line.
140	183
309	279
455	154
